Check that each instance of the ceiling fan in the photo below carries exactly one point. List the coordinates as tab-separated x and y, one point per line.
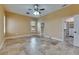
36	6
36	9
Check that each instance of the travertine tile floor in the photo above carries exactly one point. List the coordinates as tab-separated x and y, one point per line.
37	46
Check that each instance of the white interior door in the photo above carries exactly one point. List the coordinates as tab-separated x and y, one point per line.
76	30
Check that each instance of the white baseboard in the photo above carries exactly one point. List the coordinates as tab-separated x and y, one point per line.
47	36
56	39
2	44
18	36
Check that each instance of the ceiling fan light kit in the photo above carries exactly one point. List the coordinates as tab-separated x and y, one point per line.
36	10
36	13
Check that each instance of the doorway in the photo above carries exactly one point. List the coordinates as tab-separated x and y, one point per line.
69	30
37	27
34	26
40	27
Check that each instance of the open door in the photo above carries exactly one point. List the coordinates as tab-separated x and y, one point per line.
76	31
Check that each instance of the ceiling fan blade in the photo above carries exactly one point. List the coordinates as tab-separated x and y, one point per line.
64	5
29	9
42	9
27	13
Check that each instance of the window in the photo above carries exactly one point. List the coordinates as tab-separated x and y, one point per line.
4	25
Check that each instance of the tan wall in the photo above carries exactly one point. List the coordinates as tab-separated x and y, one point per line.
54	21
64	12
53	28
1	25
17	24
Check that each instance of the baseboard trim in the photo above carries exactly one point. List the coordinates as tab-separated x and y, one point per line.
56	39
47	36
2	44
18	36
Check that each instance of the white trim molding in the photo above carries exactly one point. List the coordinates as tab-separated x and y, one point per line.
17	36
47	36
2	44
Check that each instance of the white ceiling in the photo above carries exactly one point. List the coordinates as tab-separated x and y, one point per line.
23	8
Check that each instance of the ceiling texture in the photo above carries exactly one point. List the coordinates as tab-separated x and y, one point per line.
28	9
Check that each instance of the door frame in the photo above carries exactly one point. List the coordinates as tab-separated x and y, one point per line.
64	18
